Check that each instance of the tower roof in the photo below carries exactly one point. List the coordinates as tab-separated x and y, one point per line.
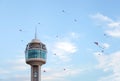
35	41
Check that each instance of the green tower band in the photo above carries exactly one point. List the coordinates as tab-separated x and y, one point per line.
35	54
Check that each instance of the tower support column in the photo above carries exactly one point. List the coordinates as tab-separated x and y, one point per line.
35	73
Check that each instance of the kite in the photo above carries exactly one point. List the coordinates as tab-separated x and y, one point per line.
96	43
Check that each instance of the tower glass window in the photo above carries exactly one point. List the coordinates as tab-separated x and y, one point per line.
35	53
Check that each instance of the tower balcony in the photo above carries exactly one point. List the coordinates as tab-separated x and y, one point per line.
35	61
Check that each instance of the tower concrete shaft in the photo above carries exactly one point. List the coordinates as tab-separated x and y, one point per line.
35	73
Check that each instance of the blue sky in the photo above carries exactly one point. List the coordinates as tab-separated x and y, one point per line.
69	29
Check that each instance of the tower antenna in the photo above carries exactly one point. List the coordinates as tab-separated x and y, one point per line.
35	32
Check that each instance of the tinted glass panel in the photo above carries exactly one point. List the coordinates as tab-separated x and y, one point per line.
35	53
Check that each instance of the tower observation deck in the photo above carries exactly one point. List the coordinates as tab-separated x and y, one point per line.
35	54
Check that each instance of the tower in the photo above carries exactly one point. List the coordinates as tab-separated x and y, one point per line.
35	54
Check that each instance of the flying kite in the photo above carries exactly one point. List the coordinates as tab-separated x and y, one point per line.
63	10
64	69
75	20
44	71
96	43
20	30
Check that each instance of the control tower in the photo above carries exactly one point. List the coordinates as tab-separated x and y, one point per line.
35	54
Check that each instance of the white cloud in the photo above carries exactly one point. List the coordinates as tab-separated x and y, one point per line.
55	75
64	49
16	71
112	26
105	45
101	17
17	78
74	35
20	68
18	64
3	71
110	63
114	33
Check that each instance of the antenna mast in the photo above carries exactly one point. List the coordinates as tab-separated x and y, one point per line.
35	32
